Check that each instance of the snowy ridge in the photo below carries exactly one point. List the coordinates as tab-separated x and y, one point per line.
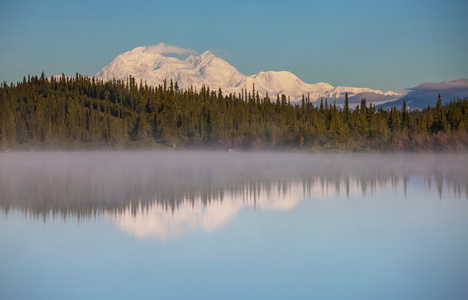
151	65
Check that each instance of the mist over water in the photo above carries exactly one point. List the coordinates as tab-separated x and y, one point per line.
87	183
359	226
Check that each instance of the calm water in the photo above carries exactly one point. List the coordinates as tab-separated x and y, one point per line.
210	225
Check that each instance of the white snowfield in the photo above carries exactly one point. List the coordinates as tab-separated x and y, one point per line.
152	67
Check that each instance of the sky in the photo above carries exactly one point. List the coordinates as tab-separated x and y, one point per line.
385	45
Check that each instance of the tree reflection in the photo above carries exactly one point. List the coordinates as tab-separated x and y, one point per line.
88	184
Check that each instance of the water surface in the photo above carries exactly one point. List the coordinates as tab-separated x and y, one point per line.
212	225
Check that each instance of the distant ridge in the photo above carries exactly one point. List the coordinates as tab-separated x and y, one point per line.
427	94
152	65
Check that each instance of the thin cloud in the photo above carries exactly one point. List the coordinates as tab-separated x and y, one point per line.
162	48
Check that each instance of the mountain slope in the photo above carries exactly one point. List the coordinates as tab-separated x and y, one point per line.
152	67
427	94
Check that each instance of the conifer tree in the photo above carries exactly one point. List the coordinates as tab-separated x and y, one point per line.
346	108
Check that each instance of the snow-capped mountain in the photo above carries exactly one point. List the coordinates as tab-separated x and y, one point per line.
151	65
141	63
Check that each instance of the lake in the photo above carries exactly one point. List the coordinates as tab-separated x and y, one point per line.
233	225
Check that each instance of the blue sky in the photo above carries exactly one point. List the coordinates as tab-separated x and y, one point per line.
386	45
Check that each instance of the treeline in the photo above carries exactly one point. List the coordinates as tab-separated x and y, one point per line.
82	112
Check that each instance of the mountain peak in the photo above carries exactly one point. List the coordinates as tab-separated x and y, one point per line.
153	65
207	56
207	53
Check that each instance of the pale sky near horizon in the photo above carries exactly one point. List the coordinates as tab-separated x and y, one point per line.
385	45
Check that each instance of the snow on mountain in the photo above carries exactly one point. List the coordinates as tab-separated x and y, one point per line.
151	65
355	95
277	83
205	69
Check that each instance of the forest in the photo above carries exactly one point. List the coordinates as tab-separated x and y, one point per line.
79	112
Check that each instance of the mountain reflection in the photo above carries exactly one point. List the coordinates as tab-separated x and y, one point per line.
166	194
157	221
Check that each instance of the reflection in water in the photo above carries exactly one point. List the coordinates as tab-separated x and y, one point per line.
166	194
211	225
156	221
